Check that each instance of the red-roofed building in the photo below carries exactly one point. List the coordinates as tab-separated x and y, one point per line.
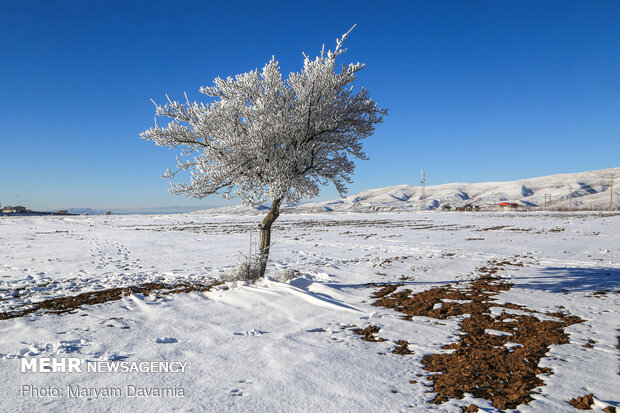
508	206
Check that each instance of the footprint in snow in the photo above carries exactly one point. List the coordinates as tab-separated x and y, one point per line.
252	332
71	346
238	392
166	340
116	322
116	357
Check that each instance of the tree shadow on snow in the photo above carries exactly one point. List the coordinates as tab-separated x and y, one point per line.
304	286
562	280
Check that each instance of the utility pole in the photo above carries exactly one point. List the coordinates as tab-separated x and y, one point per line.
611	193
570	197
423	196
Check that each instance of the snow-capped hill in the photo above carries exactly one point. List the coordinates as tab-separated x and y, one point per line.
588	190
87	211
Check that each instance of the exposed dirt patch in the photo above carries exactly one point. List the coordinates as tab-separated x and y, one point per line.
590	343
497	357
317	225
66	304
586	402
494	228
388	289
520	229
387	262
402	347
583	402
368	333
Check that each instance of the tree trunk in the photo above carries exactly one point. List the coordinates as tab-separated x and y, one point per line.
265	233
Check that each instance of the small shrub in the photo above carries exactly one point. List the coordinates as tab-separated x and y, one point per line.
247	269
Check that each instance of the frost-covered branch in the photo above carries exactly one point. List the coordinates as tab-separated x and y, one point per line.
265	137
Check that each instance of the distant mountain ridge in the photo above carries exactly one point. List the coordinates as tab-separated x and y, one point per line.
177	209
589	190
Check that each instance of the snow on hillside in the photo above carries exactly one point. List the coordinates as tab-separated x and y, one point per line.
590	190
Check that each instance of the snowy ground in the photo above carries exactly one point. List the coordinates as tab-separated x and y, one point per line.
288	346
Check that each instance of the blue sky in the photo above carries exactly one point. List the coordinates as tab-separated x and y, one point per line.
477	91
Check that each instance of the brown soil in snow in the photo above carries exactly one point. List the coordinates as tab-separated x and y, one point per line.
368	333
388	289
583	403
499	365
402	347
66	304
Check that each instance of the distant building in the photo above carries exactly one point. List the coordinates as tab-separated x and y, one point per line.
468	207
508	206
14	210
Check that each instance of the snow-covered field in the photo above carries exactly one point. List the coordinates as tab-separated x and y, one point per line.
289	346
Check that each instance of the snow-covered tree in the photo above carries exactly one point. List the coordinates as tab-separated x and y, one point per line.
263	137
